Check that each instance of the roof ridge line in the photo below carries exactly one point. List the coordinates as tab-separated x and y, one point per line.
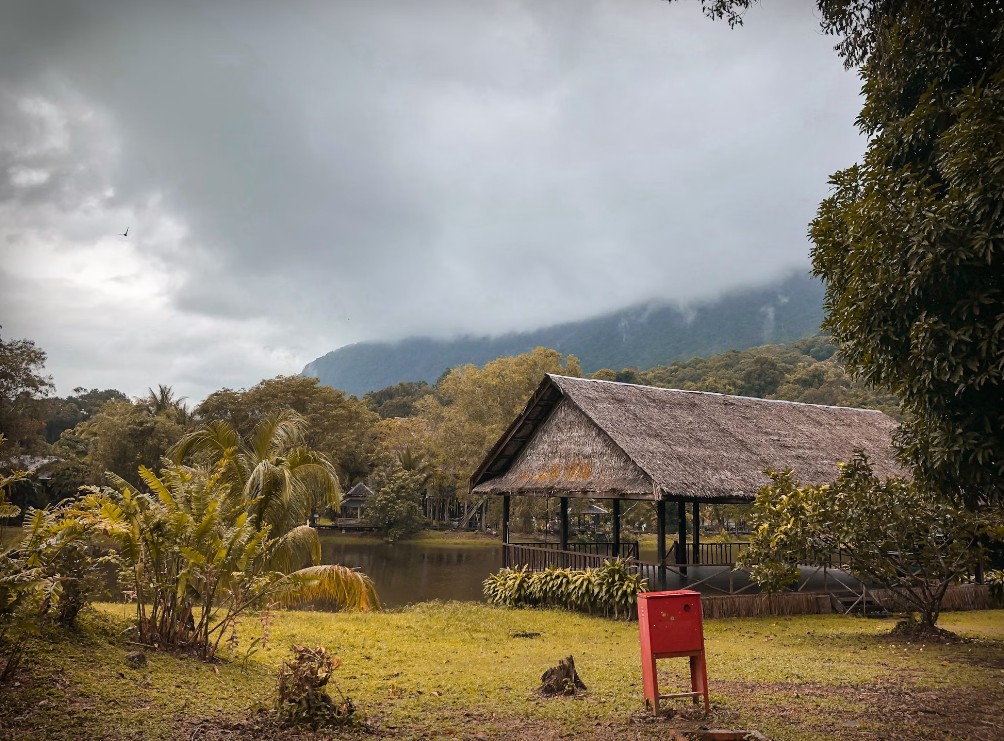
717	393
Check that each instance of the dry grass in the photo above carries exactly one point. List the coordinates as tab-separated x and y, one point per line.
457	670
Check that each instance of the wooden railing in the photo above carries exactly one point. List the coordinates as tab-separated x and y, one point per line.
537	559
710	554
629	548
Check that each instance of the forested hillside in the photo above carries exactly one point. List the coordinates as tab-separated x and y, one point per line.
806	371
640	337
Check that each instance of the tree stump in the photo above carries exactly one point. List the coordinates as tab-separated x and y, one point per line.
561	680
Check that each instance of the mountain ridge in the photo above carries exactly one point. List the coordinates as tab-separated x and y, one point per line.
640	336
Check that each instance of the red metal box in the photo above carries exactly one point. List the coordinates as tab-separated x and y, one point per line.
670	622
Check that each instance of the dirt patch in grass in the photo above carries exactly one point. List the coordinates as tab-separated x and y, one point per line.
913	632
473	726
893	708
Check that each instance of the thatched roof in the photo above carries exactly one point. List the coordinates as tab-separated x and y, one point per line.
605	440
357	496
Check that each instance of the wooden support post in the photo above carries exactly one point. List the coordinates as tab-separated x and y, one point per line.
681	545
697	532
616	512
660	516
564	522
505	530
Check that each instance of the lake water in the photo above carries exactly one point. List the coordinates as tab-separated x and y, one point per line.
409	572
405	573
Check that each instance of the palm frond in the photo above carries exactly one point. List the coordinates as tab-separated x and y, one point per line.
341	586
277	431
297	547
218	439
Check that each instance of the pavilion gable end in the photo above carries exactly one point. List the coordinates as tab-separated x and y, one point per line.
570	456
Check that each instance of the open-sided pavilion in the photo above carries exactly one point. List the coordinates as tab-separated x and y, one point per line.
617	441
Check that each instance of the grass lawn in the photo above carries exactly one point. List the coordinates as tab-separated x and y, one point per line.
462	538
455	670
450	538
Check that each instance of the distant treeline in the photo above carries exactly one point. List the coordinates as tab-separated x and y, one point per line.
422	438
807	371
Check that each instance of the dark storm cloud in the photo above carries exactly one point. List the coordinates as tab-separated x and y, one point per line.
301	175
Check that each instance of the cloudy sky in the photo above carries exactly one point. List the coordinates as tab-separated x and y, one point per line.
296	176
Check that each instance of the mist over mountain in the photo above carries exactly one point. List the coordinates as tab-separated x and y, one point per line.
640	336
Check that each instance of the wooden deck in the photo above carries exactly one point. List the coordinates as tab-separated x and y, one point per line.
710	569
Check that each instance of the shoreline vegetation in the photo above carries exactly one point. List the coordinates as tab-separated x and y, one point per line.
467	670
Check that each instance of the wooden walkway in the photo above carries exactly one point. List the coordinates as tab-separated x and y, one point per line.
822	590
628	548
712	571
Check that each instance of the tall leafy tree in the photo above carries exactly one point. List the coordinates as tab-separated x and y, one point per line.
65	413
122	437
473	406
911	241
22	385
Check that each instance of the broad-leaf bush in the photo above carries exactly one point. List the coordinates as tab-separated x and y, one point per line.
894	532
195	558
610	590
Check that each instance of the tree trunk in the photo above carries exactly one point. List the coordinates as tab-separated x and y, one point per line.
561	680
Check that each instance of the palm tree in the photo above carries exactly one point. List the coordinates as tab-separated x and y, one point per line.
164	402
197	561
283	478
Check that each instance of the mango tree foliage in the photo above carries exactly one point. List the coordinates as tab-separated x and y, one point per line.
894	533
120	438
472	407
911	241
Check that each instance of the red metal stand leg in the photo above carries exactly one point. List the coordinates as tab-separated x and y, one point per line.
650	682
699	679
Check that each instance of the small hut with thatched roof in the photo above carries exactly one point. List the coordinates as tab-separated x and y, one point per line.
355	501
616	441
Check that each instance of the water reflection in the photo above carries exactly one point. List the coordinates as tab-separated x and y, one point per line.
405	573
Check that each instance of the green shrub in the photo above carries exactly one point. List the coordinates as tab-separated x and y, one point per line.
995	581
610	590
